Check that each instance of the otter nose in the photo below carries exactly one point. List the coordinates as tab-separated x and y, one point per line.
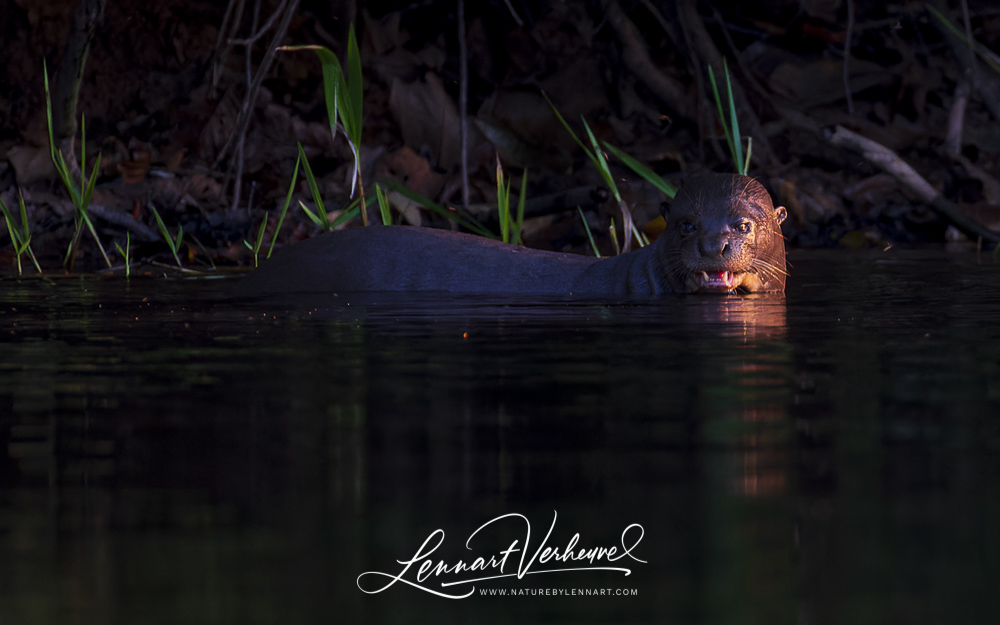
713	248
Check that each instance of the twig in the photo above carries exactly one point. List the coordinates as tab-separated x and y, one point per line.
124	220
249	41
221	50
888	161
956	118
246	113
513	14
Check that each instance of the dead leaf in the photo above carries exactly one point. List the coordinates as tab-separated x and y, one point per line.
202	187
31	164
428	119
414	171
518	151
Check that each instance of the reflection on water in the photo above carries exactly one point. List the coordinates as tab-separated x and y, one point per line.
830	456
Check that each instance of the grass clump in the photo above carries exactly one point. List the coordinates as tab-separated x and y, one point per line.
126	253
20	236
383	205
344	97
511	226
731	126
79	194
596	155
173	244
259	240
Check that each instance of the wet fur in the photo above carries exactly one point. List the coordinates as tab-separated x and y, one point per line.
401	259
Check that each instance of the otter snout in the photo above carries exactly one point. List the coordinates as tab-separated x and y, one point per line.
713	247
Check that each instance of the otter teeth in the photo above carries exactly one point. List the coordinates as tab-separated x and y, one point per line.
717	280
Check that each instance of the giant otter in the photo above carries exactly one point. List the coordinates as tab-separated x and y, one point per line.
722	235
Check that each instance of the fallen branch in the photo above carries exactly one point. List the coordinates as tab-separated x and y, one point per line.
890	162
125	221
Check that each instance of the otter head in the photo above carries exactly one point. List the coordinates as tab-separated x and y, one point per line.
723	235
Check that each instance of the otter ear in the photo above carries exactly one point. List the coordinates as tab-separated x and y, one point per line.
664	209
780	214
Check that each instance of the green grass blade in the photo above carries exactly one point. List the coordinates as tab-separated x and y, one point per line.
20	245
162	226
83	151
734	123
639	236
353	210
63	170
72	243
521	197
600	161
313	217
48	108
593	154
355	86
27	233
255	248
15	232
565	125
590	235
508	221
180	236
644	171
284	209
333	80
468	223
356	174
126	253
89	189
20	236
333	86
324	221
24	215
383	205
166	235
93	235
605	169
722	115
503	203
983	53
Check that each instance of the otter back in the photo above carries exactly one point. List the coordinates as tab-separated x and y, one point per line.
722	235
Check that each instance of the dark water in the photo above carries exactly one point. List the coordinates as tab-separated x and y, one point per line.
832	456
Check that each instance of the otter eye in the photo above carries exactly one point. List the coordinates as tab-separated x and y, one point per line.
687	227
742	227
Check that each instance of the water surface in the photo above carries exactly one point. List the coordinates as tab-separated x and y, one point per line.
168	455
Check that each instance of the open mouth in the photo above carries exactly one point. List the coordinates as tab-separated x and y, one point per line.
718	281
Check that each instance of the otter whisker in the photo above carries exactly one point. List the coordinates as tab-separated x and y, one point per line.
768	266
765	270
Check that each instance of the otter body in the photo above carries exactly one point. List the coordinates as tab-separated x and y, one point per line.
722	235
